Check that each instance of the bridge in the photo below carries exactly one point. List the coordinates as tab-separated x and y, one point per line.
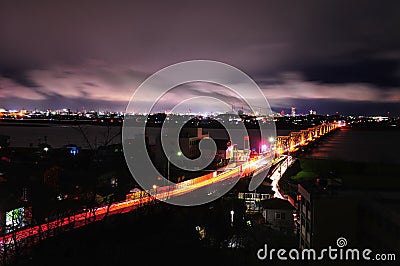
296	139
11	242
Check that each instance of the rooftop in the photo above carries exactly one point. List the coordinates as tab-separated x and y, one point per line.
277	204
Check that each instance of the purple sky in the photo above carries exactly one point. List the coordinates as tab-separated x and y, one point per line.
330	56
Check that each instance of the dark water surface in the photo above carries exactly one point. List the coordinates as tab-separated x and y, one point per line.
60	135
361	145
365	145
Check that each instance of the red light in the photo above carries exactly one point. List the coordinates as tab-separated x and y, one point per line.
8	160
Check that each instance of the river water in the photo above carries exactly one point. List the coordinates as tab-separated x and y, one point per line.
346	144
60	135
361	145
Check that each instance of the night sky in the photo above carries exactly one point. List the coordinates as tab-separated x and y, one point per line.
329	56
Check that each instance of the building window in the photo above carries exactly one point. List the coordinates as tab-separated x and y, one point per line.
280	216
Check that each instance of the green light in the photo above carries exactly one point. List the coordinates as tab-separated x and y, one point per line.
179	153
271	139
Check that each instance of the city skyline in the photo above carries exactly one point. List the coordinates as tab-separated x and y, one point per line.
285	112
94	55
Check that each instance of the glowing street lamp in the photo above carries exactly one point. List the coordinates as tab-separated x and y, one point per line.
272	140
179	153
155	191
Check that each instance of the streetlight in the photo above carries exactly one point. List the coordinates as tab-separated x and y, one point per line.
179	153
272	143
155	191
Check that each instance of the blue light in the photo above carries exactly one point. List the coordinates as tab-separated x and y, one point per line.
74	151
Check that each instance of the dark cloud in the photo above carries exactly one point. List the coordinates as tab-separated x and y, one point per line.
378	72
18	76
90	84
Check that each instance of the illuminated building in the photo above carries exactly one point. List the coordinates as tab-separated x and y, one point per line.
293	111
